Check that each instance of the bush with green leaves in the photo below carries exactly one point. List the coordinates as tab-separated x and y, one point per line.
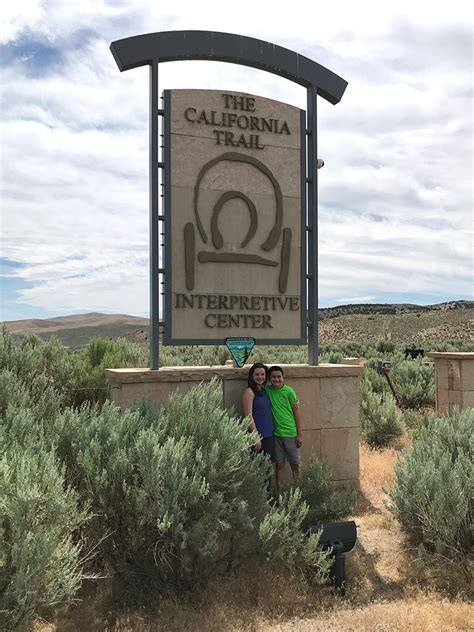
386	345
432	495
37	395
51	371
283	540
380	419
376	381
40	564
331	357
319	492
176	486
194	355
413	381
98	355
39	366
413	419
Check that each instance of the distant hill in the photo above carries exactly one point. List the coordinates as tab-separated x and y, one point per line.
404	323
77	330
387	308
413	324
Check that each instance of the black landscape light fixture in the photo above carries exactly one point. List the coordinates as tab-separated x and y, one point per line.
414	353
341	538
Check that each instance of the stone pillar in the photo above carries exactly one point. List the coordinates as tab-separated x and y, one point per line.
328	395
454	375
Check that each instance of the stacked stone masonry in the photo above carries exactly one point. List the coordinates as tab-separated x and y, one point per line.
328	395
454	380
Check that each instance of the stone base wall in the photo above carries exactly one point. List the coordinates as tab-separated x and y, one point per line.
454	374
328	395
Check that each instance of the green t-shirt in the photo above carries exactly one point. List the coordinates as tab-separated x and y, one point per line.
282	400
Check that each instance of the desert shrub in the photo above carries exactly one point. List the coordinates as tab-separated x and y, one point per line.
37	395
194	356
283	540
119	352
39	563
12	391
175	486
51	371
450	345
100	354
331	357
385	345
413	381
319	493
354	348
380	419
33	358
350	348
432	495
376	381
284	354
413	419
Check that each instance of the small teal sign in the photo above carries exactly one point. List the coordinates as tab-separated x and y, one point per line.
240	349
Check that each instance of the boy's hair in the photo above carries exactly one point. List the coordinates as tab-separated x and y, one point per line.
274	368
251	381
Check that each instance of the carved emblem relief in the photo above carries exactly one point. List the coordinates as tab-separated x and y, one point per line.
216	255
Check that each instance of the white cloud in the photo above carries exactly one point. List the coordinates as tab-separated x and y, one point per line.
395	194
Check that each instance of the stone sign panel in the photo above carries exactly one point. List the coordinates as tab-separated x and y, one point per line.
235	218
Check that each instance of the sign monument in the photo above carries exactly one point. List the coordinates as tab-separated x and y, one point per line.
239	196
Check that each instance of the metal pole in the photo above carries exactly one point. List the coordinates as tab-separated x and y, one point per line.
153	220
312	180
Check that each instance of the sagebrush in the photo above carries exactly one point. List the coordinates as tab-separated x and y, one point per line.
432	495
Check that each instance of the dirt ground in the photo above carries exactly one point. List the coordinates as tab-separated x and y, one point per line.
386	590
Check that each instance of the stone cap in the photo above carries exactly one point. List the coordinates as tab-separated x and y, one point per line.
354	361
193	373
451	355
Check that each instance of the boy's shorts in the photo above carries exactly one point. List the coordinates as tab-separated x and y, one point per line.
284	449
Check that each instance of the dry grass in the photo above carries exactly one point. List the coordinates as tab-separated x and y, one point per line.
423	613
386	591
376	471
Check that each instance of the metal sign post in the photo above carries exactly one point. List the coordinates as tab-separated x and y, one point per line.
154	220
312	226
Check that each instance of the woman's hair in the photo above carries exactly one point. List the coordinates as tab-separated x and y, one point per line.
251	381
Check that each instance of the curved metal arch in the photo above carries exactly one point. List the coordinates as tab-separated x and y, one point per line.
142	50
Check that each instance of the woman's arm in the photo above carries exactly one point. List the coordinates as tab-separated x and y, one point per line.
247	402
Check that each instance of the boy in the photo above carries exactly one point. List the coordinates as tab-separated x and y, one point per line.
287	425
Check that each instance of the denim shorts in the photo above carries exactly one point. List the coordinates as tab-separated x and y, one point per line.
284	449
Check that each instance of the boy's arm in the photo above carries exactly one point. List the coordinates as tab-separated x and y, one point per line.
299	436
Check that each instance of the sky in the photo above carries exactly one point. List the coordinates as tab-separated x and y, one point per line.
395	194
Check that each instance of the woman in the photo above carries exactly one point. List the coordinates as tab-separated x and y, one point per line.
257	408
